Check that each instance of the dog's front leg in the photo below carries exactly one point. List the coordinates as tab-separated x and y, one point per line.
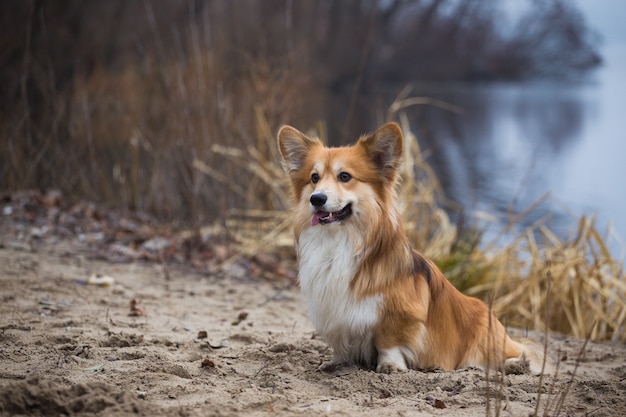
391	361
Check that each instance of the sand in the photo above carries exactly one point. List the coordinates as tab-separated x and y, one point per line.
175	341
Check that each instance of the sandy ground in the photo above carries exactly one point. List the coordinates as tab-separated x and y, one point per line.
197	344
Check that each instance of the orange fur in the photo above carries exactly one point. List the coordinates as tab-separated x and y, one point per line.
369	293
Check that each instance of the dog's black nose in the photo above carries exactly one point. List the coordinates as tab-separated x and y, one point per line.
318	199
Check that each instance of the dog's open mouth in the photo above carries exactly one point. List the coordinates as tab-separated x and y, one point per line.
325	217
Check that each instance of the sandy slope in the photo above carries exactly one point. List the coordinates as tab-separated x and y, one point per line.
70	348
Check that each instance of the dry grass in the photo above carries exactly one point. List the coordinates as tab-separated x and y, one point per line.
588	285
133	134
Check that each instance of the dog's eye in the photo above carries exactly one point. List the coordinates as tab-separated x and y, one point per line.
315	178
344	177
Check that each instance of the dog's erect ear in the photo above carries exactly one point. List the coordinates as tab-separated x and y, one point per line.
384	148
294	147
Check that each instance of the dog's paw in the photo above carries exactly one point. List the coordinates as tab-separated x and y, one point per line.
532	362
390	368
391	361
517	366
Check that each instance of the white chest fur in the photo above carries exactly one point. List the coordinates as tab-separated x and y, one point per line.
327	265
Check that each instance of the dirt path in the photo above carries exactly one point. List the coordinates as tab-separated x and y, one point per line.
200	345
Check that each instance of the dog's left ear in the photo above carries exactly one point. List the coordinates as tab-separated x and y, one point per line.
384	148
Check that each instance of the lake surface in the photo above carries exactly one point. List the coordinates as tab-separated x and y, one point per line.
514	143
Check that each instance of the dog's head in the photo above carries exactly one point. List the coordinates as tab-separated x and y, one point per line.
334	185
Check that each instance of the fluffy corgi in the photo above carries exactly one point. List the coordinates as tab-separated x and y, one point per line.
374	299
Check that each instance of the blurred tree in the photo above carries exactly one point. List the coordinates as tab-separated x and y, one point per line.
81	80
552	40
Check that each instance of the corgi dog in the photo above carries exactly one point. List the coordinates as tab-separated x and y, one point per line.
374	299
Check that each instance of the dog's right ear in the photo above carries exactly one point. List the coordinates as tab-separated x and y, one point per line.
294	147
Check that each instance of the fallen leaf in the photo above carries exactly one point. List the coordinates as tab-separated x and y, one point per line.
101	280
241	317
136	309
439	404
93	368
207	363
220	346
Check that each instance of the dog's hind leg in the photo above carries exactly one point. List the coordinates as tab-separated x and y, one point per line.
526	356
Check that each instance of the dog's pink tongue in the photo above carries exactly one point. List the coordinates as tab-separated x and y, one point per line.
317	216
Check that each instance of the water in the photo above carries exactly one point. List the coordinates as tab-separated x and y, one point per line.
515	143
